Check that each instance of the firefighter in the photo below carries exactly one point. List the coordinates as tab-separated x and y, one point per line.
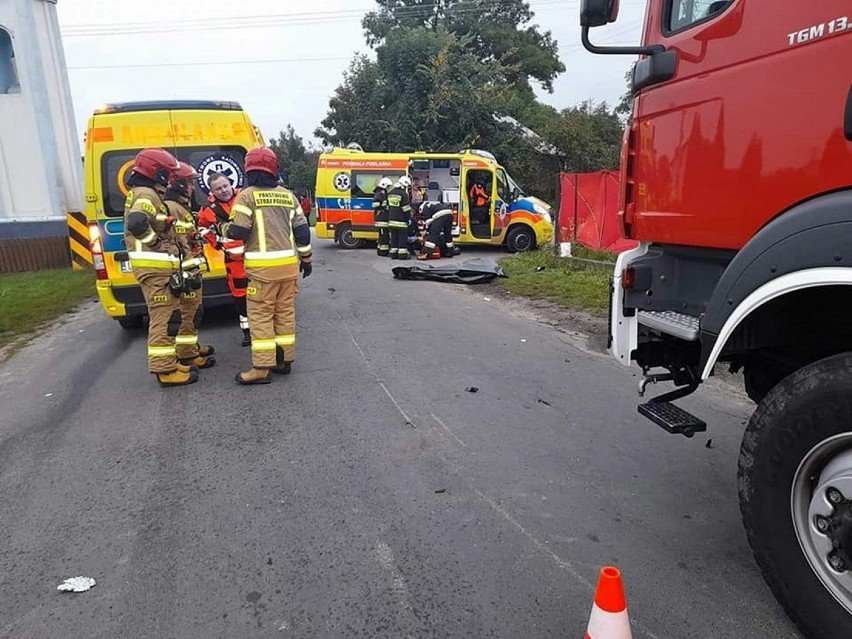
153	258
399	215
218	211
438	219
277	240
380	214
178	199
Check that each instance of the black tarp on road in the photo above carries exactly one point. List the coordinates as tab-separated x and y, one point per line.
479	270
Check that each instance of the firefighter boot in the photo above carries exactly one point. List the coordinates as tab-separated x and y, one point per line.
254	376
177	378
246	338
422	256
206	351
282	367
187	368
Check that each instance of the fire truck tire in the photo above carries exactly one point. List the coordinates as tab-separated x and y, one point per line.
520	239
345	238
131	321
794	480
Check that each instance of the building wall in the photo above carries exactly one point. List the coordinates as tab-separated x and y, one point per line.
40	167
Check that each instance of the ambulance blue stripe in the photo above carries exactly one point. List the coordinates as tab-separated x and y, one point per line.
346	204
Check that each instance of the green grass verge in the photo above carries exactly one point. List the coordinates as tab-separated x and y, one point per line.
560	282
29	299
586	253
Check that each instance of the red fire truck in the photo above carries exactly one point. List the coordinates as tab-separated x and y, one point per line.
737	182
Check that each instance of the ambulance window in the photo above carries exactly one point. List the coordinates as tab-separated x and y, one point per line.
8	69
503	190
682	14
116	164
364	182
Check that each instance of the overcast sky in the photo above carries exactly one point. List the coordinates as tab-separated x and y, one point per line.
118	50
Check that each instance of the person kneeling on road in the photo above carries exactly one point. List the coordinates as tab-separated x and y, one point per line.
178	199
277	239
438	218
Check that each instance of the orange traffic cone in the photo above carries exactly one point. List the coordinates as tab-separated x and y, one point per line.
609	618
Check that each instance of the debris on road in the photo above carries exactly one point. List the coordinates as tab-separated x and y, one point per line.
440	491
539	269
523	340
543	401
472	389
709	443
76	584
487	299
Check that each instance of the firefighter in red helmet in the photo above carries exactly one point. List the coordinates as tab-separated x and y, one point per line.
154	259
178	199
267	217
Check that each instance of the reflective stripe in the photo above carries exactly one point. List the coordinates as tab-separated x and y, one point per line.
241	208
149	237
151	259
263	345
430	245
161	217
184	225
161	351
237	250
265	259
285	340
304	249
397	225
191	262
261	231
244	323
186	339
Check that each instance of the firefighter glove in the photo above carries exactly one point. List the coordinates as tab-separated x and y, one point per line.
305	268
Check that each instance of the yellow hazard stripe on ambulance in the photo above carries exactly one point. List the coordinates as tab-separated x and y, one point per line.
78	241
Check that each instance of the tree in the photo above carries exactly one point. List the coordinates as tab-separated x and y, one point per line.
498	30
624	108
297	162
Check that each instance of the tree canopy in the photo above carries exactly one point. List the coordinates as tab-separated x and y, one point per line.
454	74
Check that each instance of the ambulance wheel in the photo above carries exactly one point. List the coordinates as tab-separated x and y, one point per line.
520	239
130	322
345	238
795	488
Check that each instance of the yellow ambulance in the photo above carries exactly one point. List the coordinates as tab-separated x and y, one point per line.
347	177
211	136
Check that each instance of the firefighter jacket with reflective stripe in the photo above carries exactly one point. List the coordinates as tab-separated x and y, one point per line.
270	218
380	207
399	207
431	210
209	220
186	236
147	233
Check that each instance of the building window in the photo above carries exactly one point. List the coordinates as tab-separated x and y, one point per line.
8	69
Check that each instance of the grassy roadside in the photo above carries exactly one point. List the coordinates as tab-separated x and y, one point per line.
557	280
27	300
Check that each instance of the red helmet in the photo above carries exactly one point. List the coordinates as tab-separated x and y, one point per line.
262	159
181	178
155	164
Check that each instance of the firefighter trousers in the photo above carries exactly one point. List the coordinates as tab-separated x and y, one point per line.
398	238
191	311
383	247
440	234
272	316
163	321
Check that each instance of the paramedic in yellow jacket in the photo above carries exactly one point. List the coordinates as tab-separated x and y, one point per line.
178	199
153	258
277	239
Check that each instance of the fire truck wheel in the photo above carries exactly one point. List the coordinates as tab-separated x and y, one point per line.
131	321
795	488
520	239
345	238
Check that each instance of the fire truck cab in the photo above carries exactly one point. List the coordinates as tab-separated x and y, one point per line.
737	182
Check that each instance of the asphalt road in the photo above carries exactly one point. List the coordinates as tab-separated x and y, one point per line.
367	494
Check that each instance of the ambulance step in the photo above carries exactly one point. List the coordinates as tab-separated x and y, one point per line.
672	323
672	418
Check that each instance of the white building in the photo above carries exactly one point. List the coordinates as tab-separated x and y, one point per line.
40	163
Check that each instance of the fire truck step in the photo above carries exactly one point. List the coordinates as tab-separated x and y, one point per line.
671	323
672	418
